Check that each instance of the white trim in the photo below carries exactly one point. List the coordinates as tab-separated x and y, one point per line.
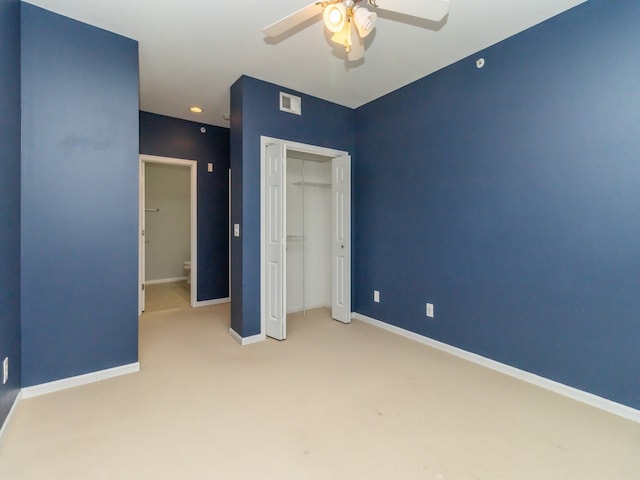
299	147
165	280
12	412
193	166
246	340
78	380
556	387
302	147
215	301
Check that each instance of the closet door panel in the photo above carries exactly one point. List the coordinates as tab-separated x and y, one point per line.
276	242
341	239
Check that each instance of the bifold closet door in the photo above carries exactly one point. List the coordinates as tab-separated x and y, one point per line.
276	302
341	239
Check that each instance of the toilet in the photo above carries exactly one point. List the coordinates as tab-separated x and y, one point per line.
187	271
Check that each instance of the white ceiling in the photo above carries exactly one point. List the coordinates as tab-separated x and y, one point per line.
192	51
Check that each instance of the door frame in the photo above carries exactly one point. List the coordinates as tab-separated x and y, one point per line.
290	145
193	169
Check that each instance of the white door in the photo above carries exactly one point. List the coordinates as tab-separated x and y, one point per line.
141	274
276	316
341	238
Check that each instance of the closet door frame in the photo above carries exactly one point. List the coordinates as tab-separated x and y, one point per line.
265	287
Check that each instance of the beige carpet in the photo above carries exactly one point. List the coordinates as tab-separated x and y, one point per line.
164	296
332	402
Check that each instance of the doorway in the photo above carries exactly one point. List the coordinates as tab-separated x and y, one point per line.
305	252
172	265
308	240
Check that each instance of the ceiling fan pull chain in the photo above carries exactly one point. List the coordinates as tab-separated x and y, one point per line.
347	36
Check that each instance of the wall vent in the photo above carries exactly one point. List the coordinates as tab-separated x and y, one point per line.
290	103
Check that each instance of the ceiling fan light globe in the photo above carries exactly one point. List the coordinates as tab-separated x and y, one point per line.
365	20
335	16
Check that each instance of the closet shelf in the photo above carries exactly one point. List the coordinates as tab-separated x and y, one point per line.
312	184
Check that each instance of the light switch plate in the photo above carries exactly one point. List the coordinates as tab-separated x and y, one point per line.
236	229
430	310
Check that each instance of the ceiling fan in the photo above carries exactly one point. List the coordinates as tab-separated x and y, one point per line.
350	22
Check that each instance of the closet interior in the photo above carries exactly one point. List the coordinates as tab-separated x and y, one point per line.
308	199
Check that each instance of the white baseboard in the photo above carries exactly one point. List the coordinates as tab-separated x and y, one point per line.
246	340
11	413
560	388
165	280
215	301
78	380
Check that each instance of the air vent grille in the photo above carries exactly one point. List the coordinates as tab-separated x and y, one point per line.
290	103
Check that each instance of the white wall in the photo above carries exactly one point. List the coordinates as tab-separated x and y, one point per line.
308	258
168	230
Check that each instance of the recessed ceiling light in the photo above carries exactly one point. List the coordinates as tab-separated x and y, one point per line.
196	109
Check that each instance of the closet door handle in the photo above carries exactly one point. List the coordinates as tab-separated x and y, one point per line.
341	246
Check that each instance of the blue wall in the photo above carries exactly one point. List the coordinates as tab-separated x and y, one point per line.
79	198
9	200
508	196
172	137
254	113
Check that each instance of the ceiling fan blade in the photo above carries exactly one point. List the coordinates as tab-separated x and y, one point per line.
293	20
429	9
